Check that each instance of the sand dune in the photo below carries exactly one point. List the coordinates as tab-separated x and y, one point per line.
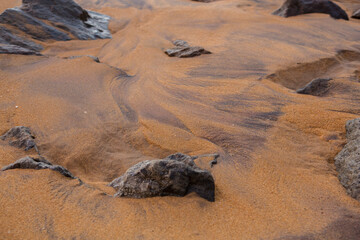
275	178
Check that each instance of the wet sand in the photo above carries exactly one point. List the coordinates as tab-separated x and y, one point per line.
275	178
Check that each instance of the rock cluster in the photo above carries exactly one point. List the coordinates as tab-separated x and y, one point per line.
183	50
41	20
37	163
298	7
347	162
316	87
175	175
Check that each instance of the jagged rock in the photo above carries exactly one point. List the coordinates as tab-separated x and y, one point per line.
176	175
37	163
298	7
182	50
20	137
356	14
59	20
347	162
316	87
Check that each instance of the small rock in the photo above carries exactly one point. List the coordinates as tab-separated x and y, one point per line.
20	137
37	163
347	162
316	87
356	14
298	7
182	50
96	59
175	175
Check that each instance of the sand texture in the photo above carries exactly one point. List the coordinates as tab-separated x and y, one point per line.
275	177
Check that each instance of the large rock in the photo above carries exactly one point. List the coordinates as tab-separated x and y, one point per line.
356	14
347	162
37	164
316	87
298	7
183	50
42	20
20	137
176	175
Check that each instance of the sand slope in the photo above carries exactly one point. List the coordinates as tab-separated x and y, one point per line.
275	178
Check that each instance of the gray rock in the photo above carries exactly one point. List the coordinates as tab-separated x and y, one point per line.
175	175
356	14
347	162
59	20
316	87
183	50
20	137
298	7
13	49
37	163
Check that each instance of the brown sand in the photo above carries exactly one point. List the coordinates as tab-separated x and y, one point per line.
275	178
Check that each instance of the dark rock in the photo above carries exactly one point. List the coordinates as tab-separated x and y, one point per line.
96	59
37	163
20	137
7	37
298	7
214	161
356	14
347	162
182	50
176	175
316	87
60	20
13	49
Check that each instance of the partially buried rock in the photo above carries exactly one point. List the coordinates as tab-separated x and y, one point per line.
298	7
347	162
316	87
20	137
37	163
356	14
183	50
175	175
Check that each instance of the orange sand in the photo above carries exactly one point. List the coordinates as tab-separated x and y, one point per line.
275	178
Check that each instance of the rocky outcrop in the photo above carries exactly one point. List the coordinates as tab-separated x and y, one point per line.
42	20
356	14
183	50
20	137
176	175
347	162
37	163
316	87
298	7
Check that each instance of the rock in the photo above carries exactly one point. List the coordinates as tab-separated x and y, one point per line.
20	137
298	7
13	49
356	14
59	20
316	87
347	162
95	59
175	175
37	163
182	50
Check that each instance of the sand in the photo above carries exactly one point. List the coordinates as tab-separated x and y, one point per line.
275	178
